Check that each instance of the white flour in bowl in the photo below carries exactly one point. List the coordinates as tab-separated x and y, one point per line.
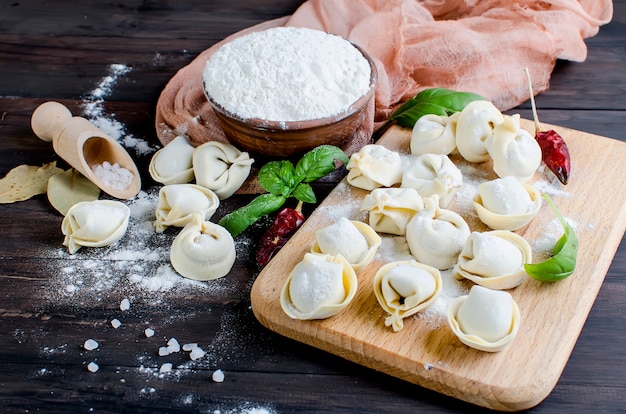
287	74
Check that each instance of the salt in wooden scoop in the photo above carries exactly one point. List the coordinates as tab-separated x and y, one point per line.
82	145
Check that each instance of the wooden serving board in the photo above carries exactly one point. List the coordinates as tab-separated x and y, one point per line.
429	354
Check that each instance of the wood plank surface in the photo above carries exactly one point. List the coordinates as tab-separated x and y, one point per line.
50	303
426	352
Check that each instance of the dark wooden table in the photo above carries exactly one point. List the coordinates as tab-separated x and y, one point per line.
51	302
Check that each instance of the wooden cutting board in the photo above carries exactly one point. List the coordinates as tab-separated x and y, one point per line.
426	352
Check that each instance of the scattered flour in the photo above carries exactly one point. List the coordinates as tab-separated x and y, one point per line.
93	110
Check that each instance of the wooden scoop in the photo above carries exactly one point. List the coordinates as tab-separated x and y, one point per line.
83	145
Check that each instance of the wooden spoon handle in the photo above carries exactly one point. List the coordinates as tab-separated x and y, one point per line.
49	119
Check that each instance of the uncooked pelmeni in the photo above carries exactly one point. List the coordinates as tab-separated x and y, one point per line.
356	241
434	134
177	203
514	150
436	235
318	287
485	319
404	288
94	224
172	164
433	174
494	259
374	166
203	250
506	203
221	167
476	124
390	209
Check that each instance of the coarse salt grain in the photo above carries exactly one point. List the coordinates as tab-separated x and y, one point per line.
173	346
124	304
149	332
92	367
287	74
196	353
113	175
90	345
167	367
218	376
115	323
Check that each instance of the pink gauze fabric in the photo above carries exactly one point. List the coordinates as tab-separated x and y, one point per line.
466	45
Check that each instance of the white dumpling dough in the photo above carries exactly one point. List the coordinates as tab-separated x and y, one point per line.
404	288
494	259
356	241
177	203
203	250
390	209
172	164
513	150
485	319
374	166
221	167
318	287
433	174
506	203
94	224
436	236
434	134
475	125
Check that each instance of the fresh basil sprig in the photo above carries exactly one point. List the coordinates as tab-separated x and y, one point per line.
563	260
282	180
437	101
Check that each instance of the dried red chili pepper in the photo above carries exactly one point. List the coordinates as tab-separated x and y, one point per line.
554	151
286	222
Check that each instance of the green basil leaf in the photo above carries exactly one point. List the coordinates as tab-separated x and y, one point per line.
437	101
318	162
239	220
277	177
563	261
304	192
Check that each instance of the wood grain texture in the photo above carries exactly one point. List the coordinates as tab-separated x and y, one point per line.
523	374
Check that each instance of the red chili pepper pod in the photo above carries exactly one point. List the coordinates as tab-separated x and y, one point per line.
555	153
286	222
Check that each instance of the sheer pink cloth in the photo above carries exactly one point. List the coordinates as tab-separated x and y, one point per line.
466	45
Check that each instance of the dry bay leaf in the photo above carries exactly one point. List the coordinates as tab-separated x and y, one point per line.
70	187
26	181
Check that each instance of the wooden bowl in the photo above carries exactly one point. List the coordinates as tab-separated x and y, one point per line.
285	139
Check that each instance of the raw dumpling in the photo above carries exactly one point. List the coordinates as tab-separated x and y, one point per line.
94	224
221	167
513	150
485	319
474	126
494	259
404	288
318	287
374	166
432	174
434	134
506	203
177	203
436	236
354	240
390	209
203	250
172	164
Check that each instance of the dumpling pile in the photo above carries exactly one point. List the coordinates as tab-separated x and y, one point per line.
217	166
410	196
